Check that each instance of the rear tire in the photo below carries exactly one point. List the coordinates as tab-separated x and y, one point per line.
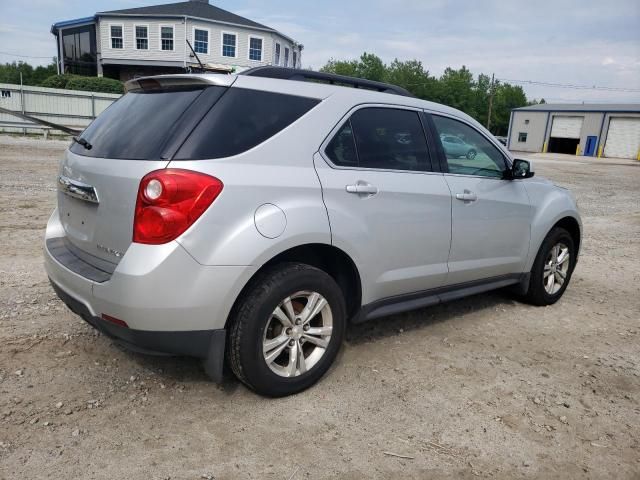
552	268
277	349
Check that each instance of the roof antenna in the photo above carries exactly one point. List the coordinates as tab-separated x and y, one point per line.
195	55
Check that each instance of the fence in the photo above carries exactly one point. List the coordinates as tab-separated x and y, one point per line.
71	108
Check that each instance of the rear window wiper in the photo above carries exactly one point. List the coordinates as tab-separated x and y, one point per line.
82	142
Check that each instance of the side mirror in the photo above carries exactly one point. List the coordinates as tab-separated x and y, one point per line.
521	169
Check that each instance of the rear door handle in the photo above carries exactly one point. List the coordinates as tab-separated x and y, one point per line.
362	188
467	196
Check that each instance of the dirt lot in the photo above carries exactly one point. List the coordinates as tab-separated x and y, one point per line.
484	387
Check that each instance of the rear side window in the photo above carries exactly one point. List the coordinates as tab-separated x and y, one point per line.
240	120
381	138
137	125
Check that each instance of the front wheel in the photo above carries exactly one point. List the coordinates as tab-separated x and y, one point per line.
552	268
471	154
287	330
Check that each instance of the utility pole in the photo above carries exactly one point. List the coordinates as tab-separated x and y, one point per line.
491	93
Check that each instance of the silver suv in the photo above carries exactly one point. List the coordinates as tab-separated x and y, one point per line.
245	219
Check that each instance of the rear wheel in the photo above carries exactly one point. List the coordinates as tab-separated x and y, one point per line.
471	154
288	329
552	268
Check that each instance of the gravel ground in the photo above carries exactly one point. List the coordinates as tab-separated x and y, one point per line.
483	387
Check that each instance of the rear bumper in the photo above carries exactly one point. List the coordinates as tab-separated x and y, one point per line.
171	303
191	343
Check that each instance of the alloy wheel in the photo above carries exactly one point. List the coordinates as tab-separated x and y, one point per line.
556	268
297	334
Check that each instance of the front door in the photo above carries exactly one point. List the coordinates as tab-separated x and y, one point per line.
490	216
590	148
387	208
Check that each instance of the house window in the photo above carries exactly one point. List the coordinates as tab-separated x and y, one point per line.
166	38
294	64
255	49
522	137
229	41
142	37
526	122
286	57
201	41
277	55
6	93
116	36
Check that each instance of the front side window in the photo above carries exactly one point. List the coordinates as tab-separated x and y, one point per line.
142	37
255	49
277	55
468	152
286	57
116	36
229	41
381	138
166	38
201	41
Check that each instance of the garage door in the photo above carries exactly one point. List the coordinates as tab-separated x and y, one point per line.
566	127
623	139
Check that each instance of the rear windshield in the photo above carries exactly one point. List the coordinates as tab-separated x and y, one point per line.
138	125
190	123
241	120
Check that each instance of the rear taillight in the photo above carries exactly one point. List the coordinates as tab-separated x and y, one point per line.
169	201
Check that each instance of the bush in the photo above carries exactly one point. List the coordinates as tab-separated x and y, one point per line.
57	81
87	84
95	84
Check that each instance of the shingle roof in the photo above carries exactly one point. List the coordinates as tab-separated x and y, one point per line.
192	8
582	107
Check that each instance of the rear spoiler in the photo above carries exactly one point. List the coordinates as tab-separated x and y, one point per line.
180	80
62	128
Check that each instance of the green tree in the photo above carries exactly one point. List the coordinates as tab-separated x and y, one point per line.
507	97
412	76
10	73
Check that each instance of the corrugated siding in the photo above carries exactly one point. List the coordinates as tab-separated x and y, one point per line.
154	53
68	107
534	130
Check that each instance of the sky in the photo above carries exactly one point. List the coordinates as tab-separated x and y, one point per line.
580	42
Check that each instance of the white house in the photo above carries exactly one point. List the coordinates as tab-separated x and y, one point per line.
152	40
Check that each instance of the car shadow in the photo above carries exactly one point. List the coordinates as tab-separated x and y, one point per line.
189	371
425	317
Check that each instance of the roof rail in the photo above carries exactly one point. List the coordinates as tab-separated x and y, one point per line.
284	73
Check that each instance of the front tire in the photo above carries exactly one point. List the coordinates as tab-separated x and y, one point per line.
287	329
552	268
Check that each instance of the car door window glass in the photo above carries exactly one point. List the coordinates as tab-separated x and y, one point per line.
386	138
342	148
468	152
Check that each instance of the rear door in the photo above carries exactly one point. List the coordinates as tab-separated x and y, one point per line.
387	207
99	176
490	216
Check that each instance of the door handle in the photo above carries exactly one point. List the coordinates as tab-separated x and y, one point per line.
467	197
362	188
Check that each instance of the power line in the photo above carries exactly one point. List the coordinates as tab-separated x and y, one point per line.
22	56
572	86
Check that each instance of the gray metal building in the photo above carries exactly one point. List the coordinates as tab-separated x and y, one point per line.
603	130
